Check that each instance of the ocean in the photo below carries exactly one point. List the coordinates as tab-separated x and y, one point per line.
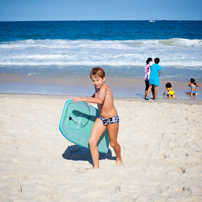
55	57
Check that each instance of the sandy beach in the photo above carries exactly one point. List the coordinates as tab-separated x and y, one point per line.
161	149
122	87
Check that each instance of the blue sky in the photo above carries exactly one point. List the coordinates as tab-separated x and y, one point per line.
29	10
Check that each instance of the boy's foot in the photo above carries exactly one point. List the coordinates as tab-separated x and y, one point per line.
119	162
155	99
95	167
146	98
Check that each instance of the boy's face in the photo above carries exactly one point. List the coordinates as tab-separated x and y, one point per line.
97	81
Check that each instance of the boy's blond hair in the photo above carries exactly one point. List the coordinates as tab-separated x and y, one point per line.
97	71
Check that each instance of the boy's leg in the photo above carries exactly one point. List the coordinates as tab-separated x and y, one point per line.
155	92
148	91
112	130
145	94
96	133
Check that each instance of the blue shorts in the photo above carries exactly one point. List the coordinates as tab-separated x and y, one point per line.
107	121
194	92
154	82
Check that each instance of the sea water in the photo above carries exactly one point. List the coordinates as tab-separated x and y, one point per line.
43	57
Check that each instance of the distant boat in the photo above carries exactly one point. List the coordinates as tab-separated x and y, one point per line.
164	19
152	21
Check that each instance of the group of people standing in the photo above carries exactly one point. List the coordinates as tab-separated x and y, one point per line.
152	73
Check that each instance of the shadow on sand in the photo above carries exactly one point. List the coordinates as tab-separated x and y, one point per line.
77	153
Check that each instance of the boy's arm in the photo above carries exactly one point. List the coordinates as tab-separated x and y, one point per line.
197	85
159	72
95	100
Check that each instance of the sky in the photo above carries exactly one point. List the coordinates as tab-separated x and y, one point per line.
42	10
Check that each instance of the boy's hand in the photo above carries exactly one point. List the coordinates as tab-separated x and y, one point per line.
76	99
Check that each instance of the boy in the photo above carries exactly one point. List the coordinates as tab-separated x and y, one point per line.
108	117
154	78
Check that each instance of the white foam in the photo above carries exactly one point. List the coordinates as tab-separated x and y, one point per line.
172	52
31	74
182	42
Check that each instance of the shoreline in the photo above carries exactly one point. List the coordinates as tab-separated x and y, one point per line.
82	86
130	99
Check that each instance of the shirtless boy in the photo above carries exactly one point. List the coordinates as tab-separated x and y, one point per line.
108	117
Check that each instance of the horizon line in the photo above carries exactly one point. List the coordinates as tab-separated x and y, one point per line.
164	20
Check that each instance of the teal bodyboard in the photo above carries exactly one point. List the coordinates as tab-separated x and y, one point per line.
76	123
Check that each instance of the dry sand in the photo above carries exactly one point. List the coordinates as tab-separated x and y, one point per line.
161	149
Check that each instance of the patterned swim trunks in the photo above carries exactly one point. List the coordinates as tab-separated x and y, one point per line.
107	121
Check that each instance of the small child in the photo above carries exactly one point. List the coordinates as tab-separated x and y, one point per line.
169	88
108	117
193	86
